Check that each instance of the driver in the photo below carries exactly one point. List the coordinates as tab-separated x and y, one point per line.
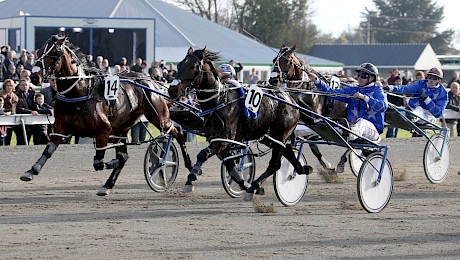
366	105
228	75
429	96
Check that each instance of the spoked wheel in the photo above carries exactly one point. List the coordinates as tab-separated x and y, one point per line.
160	172
373	196
355	161
248	170
290	187
436	166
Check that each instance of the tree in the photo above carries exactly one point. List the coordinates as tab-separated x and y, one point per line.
410	21
272	22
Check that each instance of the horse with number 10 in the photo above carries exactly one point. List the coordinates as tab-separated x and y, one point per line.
274	124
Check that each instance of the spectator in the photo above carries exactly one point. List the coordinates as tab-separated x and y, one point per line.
89	61
253	78
144	67
25	106
3	129
158	75
99	60
11	73
237	66
139	132
171	73
406	78
10	103
30	62
50	92
19	69
9	59
429	97
391	79
25	75
4	111
455	78
137	66
117	69
397	101
40	132
454	104
419	75
105	66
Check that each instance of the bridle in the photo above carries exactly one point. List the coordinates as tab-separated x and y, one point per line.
197	80
276	68
60	49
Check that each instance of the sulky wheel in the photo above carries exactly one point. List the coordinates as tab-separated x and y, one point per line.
248	169
436	166
375	196
160	172
290	187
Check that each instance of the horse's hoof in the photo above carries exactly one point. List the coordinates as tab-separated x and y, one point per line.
188	188
340	168
103	191
260	191
248	196
27	176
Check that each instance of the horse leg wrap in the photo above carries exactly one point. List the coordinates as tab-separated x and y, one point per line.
196	170
98	164
49	150
341	165
118	162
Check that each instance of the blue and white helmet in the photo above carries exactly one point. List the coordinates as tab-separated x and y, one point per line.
227	69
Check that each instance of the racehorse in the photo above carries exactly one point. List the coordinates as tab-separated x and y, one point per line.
82	109
289	69
275	120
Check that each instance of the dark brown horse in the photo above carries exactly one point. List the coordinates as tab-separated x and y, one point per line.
275	120
82	109
288	69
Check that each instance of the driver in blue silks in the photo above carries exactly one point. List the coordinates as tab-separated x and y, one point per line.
366	105
429	96
228	75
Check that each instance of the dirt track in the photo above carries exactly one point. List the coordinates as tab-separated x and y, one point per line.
58	214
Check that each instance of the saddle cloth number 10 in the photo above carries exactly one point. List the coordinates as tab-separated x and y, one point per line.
253	98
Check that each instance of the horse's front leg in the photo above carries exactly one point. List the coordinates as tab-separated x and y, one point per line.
202	157
102	139
117	165
180	138
47	153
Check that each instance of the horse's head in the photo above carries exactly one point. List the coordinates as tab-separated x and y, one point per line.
194	71
53	59
286	66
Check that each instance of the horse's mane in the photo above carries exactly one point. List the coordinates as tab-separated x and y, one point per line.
81	56
210	57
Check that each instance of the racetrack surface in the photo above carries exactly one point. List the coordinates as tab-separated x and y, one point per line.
59	216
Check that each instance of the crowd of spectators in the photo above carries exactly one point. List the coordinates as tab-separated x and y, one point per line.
19	96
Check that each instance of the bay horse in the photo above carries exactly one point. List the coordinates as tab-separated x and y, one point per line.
275	120
289	69
82	109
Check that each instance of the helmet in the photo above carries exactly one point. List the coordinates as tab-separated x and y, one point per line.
435	72
227	70
368	68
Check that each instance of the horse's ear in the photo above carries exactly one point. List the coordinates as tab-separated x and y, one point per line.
294	47
190	50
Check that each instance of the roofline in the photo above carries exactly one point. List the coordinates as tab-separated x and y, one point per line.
115	9
170	23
